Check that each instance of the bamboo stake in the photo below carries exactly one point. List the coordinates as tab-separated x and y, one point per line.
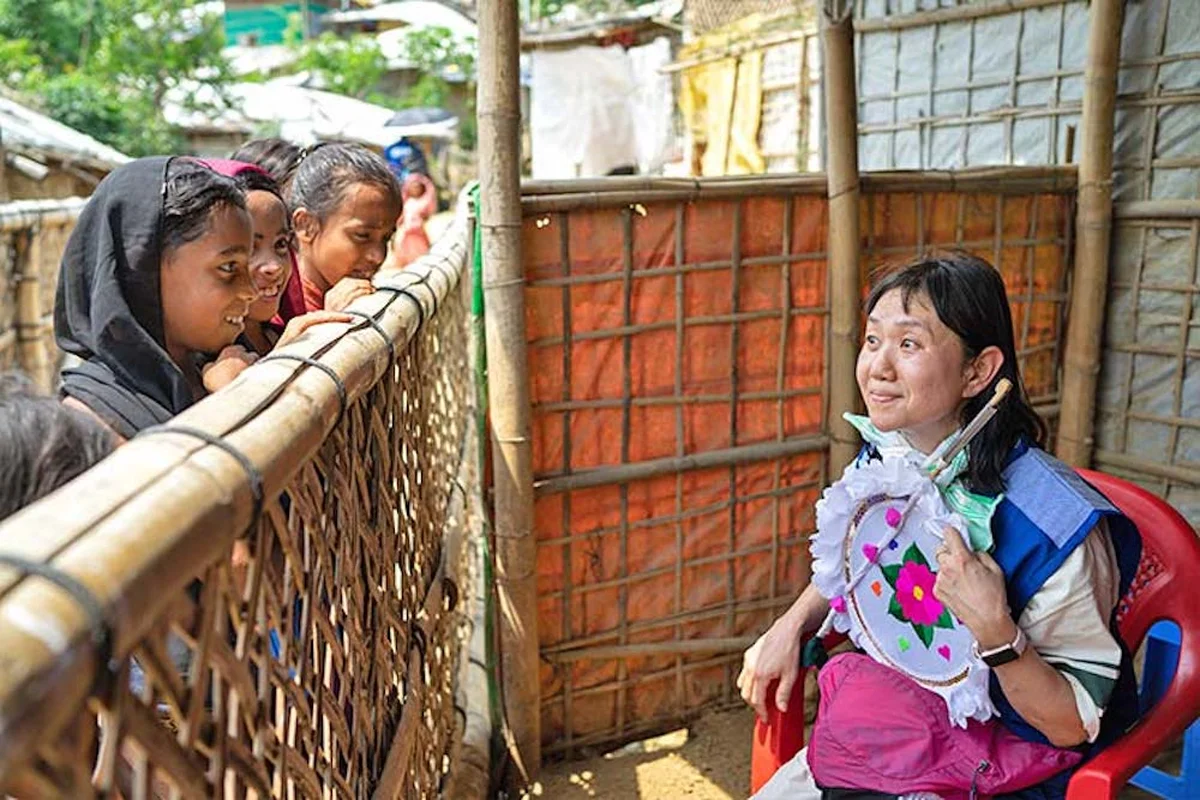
642	470
1085	324
508	374
34	360
841	111
961	13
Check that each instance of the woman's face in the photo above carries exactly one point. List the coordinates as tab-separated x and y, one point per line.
271	256
206	287
912	371
353	241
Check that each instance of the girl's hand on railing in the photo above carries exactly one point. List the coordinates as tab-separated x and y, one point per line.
345	292
228	364
298	325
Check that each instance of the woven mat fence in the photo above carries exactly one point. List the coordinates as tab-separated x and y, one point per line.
33	234
267	586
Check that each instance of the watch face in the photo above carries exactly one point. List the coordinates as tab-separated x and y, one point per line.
1001	658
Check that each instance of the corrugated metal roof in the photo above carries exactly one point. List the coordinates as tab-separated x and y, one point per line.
22	128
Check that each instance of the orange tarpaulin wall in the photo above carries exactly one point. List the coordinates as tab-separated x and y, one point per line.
677	364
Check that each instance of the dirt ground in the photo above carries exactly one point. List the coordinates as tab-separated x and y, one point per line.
711	761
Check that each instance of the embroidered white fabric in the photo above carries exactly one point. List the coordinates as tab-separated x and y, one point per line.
879	581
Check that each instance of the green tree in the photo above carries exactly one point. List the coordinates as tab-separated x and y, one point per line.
107	66
352	66
441	57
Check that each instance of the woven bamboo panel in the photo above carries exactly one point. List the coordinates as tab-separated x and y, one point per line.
702	16
314	655
678	367
33	235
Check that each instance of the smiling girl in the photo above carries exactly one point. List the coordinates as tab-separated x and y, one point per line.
345	202
154	280
272	263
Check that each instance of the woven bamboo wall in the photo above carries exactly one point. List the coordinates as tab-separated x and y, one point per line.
282	623
677	358
33	234
949	87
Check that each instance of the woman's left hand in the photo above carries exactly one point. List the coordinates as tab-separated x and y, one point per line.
971	585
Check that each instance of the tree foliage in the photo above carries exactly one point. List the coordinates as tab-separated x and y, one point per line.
106	67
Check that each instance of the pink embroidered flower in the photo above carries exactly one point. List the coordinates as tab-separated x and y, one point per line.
914	591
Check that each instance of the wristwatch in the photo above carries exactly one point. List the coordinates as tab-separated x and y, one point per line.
1005	653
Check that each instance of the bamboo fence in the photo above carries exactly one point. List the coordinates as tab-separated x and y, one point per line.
266	588
678	336
32	236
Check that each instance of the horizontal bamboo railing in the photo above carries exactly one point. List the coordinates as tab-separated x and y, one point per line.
137	530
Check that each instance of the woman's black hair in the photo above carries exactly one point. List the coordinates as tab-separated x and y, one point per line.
191	193
45	444
278	157
329	171
968	296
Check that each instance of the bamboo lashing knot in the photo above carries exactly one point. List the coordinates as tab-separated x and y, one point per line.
253	476
503	284
403	291
101	632
328	370
374	323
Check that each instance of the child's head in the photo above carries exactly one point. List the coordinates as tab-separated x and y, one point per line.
939	337
205	287
278	157
345	202
271	256
45	444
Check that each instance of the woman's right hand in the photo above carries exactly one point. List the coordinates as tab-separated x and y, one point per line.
776	655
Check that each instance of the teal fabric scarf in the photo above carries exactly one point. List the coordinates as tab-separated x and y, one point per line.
976	509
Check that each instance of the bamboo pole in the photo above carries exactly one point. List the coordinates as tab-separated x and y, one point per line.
508	374
1085	323
841	111
1157	209
544	197
34	360
624	473
959	13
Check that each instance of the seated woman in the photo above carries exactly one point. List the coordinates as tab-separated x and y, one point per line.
154	282
938	339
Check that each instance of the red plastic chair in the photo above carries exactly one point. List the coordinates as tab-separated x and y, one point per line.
1165	588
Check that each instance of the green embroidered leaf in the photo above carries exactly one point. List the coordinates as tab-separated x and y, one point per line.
913	553
925	634
890	573
945	620
896	610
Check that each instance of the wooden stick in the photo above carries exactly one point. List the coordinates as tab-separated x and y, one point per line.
1085	328
841	107
1177	473
543	197
508	373
22	214
624	473
1157	209
31	352
726	644
964	13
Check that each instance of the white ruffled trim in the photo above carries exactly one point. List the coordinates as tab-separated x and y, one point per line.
896	478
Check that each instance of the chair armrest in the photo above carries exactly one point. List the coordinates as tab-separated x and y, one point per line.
1106	774
777	740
